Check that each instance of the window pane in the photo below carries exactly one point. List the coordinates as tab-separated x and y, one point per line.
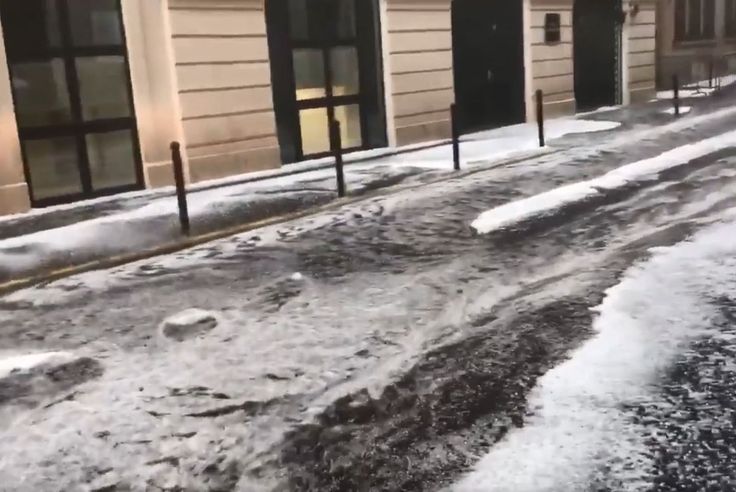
103	87
694	19
95	22
709	18
53	165
298	19
345	18
41	95
30	26
309	74
680	19
111	159
307	19
345	80
349	118
321	19
315	131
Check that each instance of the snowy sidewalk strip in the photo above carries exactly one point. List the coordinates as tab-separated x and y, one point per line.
551	201
483	148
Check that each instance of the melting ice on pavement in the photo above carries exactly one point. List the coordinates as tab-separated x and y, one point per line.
188	323
549	201
500	143
26	362
576	434
683	110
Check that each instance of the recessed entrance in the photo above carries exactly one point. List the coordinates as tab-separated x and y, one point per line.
596	41
488	61
325	64
73	102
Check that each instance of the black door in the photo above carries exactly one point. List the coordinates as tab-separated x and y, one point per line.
595	43
325	65
488	61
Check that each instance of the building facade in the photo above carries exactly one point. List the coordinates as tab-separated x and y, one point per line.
695	38
93	91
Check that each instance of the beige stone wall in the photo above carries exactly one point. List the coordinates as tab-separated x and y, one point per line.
153	81
639	47
419	47
552	64
13	189
222	69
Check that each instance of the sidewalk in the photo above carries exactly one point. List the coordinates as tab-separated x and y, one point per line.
57	240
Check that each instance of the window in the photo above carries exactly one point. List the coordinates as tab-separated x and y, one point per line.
325	57
730	15
695	19
71	90
325	67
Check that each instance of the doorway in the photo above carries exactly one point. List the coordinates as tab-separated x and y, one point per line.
73	101
325	65
596	46
488	62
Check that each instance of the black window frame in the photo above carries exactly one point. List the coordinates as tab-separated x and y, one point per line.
328	40
77	127
694	20
369	98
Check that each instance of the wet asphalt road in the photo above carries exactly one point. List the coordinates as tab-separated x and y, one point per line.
408	352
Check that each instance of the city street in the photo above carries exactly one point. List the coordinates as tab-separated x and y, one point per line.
426	338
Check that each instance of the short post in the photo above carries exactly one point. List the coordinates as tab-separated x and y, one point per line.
336	144
181	192
710	73
676	94
455	137
540	116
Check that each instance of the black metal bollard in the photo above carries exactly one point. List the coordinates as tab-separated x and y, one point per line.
540	116
336	144
455	137
181	192
676	94
710	74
